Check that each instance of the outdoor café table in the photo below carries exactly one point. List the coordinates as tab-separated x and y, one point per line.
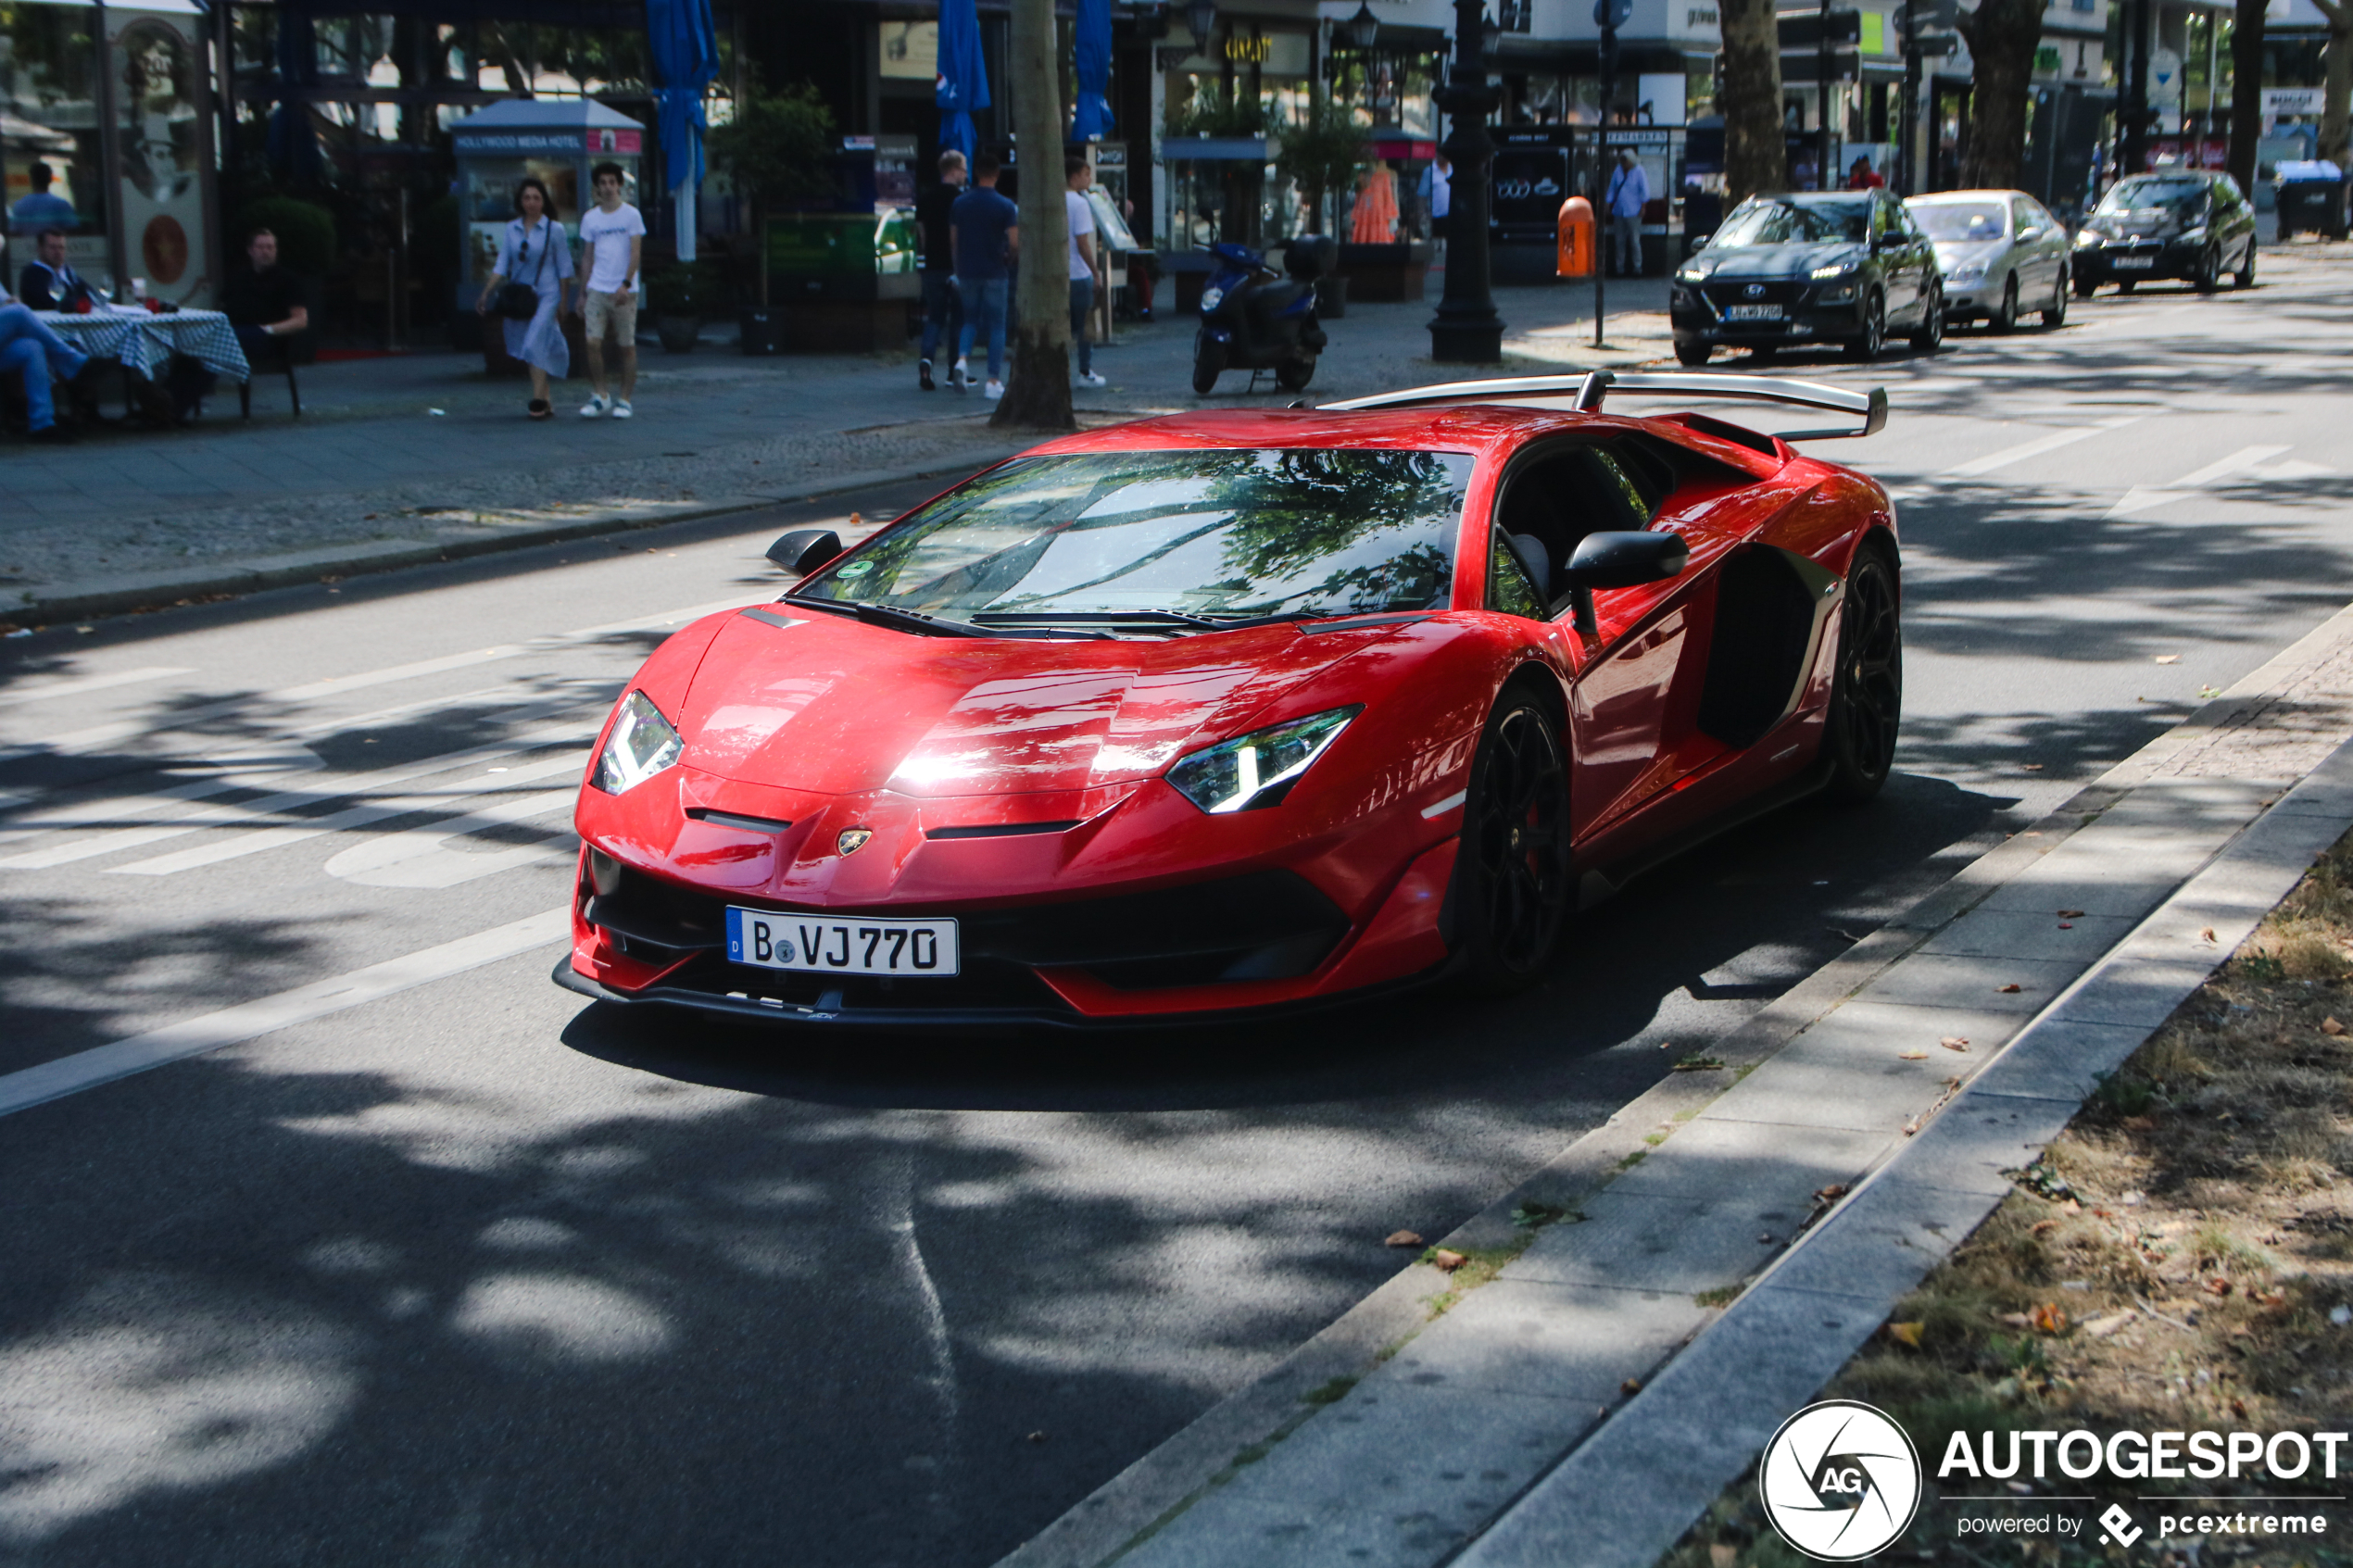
145	341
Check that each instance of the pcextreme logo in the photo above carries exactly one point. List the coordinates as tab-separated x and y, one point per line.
1840	1481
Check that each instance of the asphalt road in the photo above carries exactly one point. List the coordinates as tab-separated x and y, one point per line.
430	1263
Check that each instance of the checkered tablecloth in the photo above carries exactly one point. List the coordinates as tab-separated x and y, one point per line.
146	342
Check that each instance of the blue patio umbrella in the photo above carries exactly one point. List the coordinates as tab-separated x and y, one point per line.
963	78
686	51
1090	118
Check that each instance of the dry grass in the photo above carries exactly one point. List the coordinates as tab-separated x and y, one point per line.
2198	1214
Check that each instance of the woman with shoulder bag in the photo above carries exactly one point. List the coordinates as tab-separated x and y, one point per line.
528	289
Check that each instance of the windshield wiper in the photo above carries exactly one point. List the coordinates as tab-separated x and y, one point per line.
915	620
1167	616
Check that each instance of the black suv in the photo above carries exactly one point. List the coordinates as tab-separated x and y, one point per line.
2191	223
1813	267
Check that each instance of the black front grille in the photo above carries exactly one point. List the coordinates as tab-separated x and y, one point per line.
1784	293
986	986
1264	925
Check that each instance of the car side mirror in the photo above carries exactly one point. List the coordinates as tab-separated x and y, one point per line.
805	549
1619	561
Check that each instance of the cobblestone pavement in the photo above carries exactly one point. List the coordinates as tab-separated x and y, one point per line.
413	447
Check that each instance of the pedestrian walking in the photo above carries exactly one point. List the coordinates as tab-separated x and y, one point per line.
1085	265
1628	193
614	233
528	287
943	311
984	240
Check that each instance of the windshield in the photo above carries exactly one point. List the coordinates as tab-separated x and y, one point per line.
2184	196
1214	533
1959	220
1770	221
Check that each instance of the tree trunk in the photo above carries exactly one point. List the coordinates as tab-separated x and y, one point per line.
2246	89
1756	158
2335	96
1038	380
2002	36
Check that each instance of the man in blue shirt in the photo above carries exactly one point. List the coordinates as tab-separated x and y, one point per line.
42	210
1629	191
984	239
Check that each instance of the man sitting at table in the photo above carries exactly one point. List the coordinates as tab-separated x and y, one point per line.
48	284
30	354
263	300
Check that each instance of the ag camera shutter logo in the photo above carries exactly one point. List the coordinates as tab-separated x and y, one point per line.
1840	1481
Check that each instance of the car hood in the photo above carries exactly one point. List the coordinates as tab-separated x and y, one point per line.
1772	261
1957	253
2149	222
834	706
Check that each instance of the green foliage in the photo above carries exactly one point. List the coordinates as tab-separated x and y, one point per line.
776	147
305	234
1322	153
688	288
1211	111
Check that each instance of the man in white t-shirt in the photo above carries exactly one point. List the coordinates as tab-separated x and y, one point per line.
1085	265
615	236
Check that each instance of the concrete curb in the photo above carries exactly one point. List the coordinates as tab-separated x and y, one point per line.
1209	1456
154	591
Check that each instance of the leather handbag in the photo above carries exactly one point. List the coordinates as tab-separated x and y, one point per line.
520	302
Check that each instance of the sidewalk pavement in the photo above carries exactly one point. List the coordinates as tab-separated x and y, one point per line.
395	459
1588	1403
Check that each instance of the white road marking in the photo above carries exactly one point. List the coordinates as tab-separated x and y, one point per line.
74	685
2035	447
238	846
210	1031
2141	499
418	857
96	736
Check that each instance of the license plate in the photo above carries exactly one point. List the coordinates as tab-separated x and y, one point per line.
856	946
2129	263
1752	313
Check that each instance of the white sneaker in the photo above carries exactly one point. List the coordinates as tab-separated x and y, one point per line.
1092	379
993	391
622	410
961	377
596	408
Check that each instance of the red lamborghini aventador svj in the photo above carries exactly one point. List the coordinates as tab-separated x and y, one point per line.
1231	711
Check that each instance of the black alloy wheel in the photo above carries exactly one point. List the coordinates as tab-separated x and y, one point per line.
1209	358
1693	353
2005	317
2055	314
2245	277
1928	336
1867	694
1867	347
2209	276
1512	875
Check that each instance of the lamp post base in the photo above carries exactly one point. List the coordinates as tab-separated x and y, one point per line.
1472	342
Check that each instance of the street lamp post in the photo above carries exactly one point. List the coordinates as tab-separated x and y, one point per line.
1466	331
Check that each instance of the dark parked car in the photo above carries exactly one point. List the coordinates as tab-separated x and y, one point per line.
1829	266
2193	223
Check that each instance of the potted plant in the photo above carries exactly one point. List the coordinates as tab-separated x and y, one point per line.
1321	154
778	149
682	295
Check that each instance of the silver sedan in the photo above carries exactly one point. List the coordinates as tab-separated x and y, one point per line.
2002	252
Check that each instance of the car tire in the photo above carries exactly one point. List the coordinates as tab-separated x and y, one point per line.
2084	287
1867	348
2054	316
2126	285
2245	277
2005	316
1764	352
1866	692
1209	360
2209	276
1930	336
1512	887
1693	353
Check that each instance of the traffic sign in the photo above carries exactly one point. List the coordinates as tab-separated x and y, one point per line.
1612	13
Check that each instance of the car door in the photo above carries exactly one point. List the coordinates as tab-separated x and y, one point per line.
2237	229
2031	242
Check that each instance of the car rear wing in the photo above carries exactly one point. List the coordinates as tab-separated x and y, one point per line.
1590	389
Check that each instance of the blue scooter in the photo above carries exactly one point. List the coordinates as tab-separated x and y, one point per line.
1253	318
